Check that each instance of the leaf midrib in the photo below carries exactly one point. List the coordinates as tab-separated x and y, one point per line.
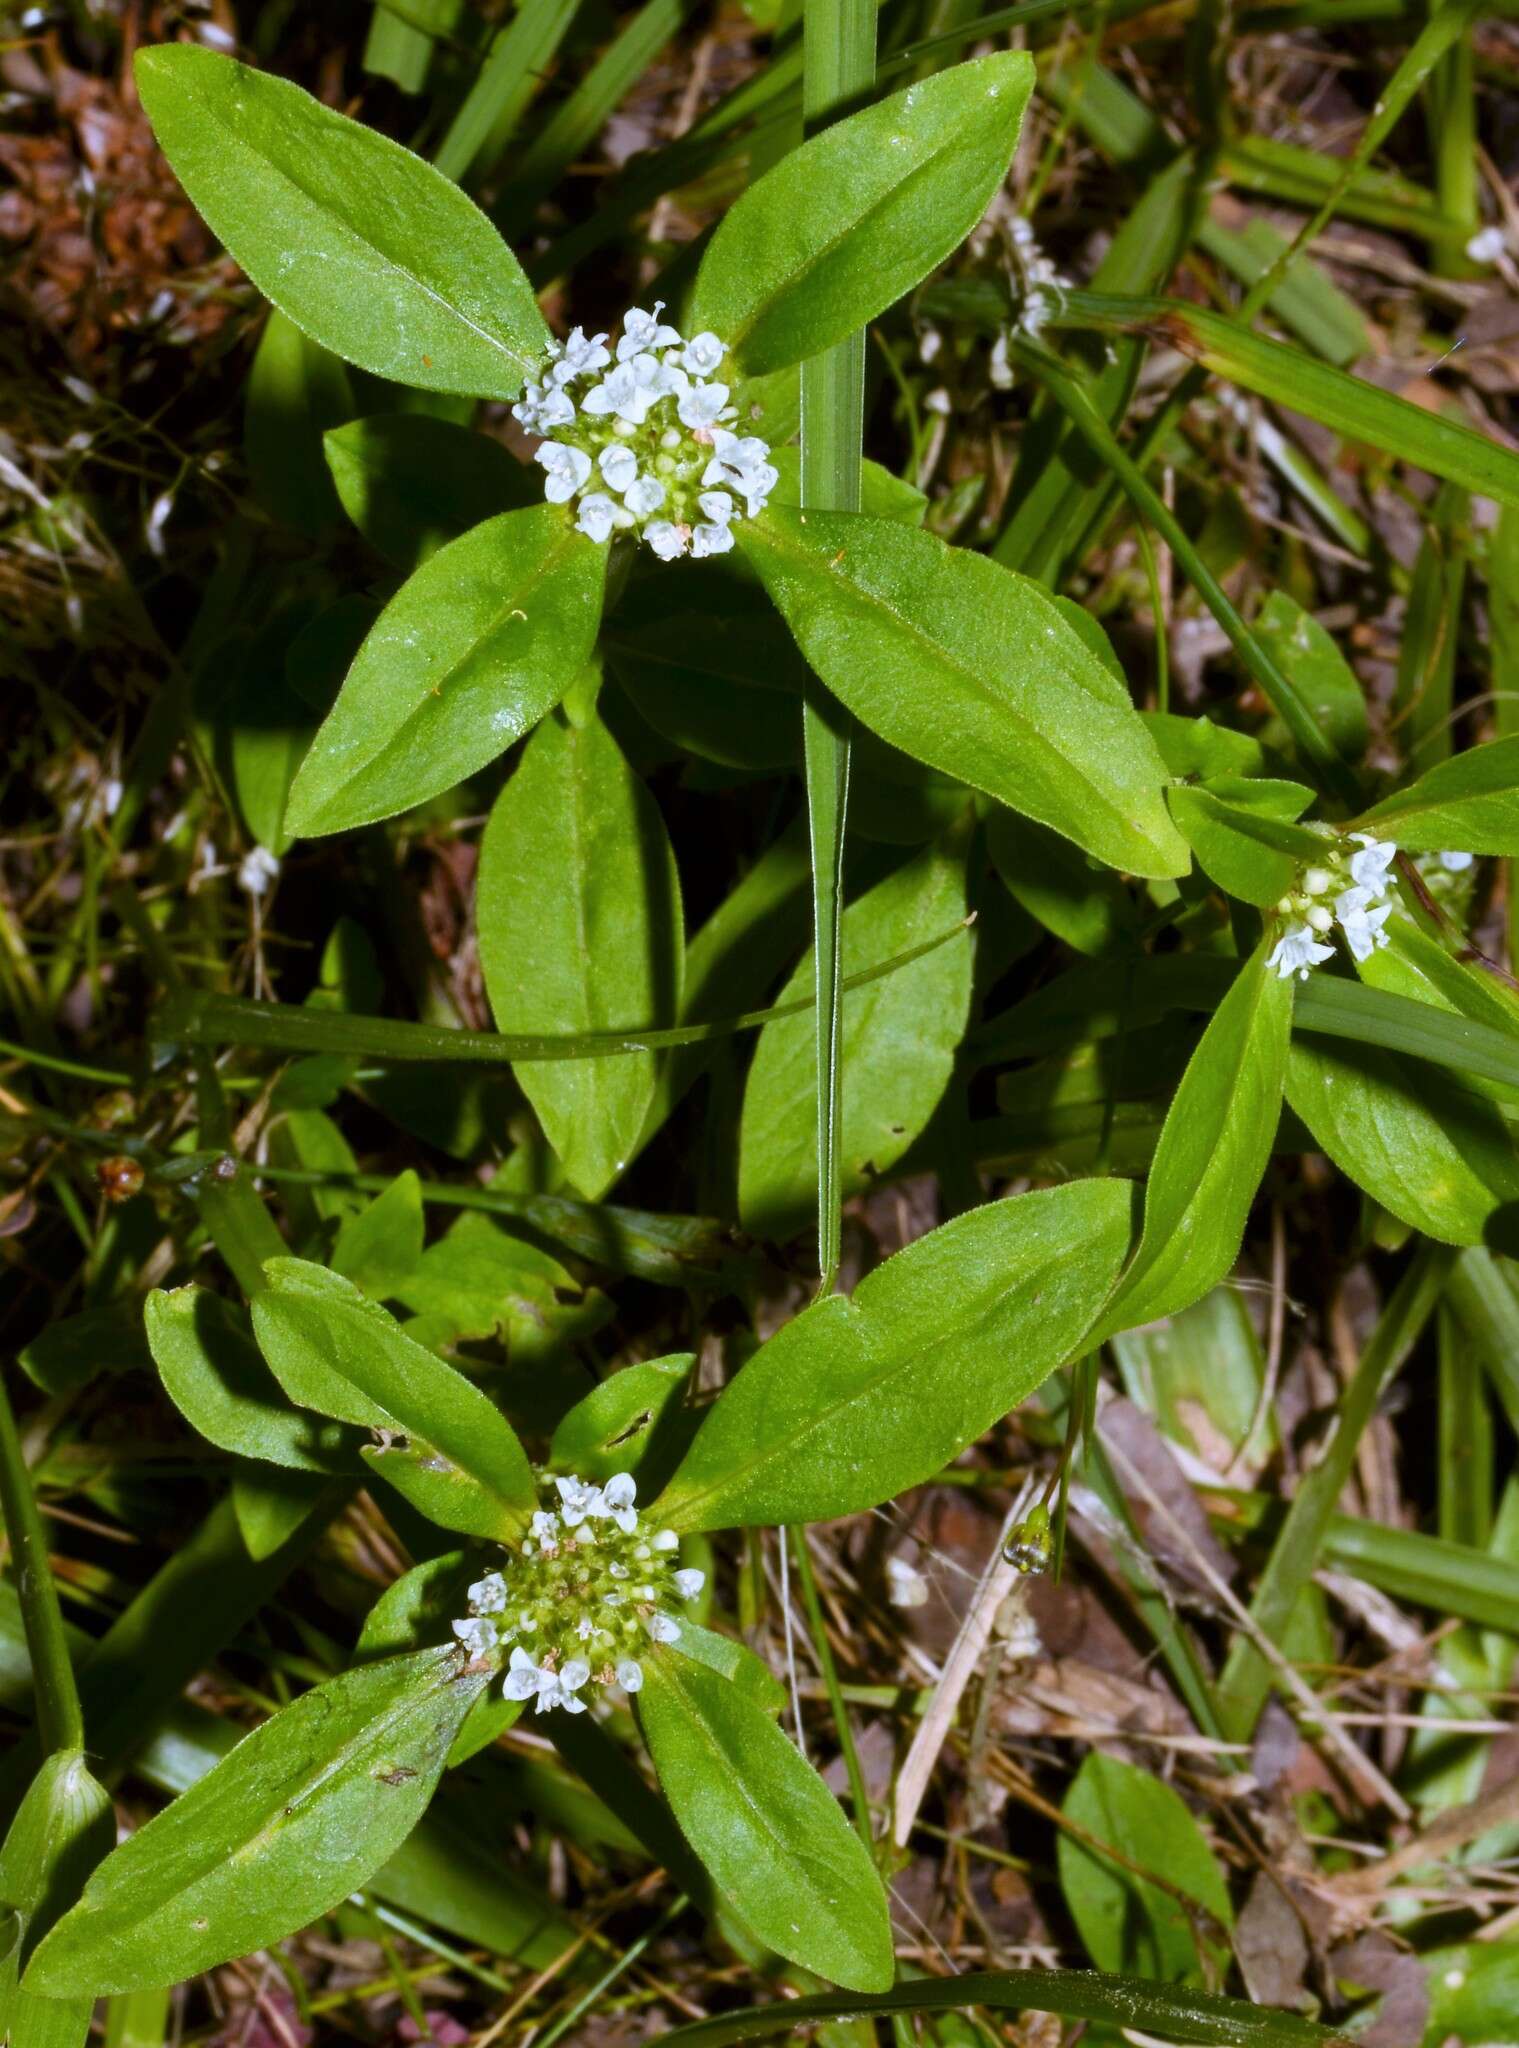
984	695
209	106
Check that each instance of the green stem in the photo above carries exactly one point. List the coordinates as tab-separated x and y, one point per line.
858	1794
838	64
60	1724
1296	1554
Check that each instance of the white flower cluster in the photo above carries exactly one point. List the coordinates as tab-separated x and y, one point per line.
646	448
580	1597
1360	910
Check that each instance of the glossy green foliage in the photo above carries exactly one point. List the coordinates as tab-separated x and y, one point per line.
442	1442
1159	1906
63	1827
216	1377
469	654
1328	684
1243	835
368	249
1429	1150
301	1812
580	930
840	228
411	483
1468	804
1070	894
1213	1150
855	1400
898	1049
761	1820
632	1413
973	670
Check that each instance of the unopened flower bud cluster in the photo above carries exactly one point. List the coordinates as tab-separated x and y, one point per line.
580	1599
1351	891
647	447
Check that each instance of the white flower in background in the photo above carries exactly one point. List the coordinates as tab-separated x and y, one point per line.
1297	950
258	871
647	447
1454	863
578	1600
1487	245
905	1584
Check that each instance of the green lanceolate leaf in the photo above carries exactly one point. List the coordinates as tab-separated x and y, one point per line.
213	1373
379	1247
470	652
368	249
613	1428
1436	1155
898	1049
1079	901
974	671
1468	804
1213	1150
855	1400
304	1809
63	1827
1242	833
411	483
336	1352
773	1836
843	226
580	930
1328	683
1127	1921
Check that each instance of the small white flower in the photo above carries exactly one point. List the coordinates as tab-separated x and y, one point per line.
711	540
597	516
522	1677
619	465
689	1582
663	1628
478	1636
1317	882
257	872
1454	863
579	1499
618	1495
630	1675
542	408
1487	245
1296	951
567	470
574	1674
718	506
580	355
939	403
644	496
905	1584
702	405
1369	867
1361	919
702	354
488	1595
642	330
664	1539
666	540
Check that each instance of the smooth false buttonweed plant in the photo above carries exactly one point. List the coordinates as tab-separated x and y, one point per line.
1003	743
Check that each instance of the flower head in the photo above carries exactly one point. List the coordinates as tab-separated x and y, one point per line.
1360	885
642	443
578	1602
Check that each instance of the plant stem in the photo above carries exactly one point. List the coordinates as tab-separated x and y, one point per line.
60	1724
838	62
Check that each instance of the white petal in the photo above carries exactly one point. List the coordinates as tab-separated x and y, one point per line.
718	506
618	464
1455	863
703	353
597	516
688	1583
665	539
488	1595
711	540
630	1675
621	1490
663	1628
574	1674
644	496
